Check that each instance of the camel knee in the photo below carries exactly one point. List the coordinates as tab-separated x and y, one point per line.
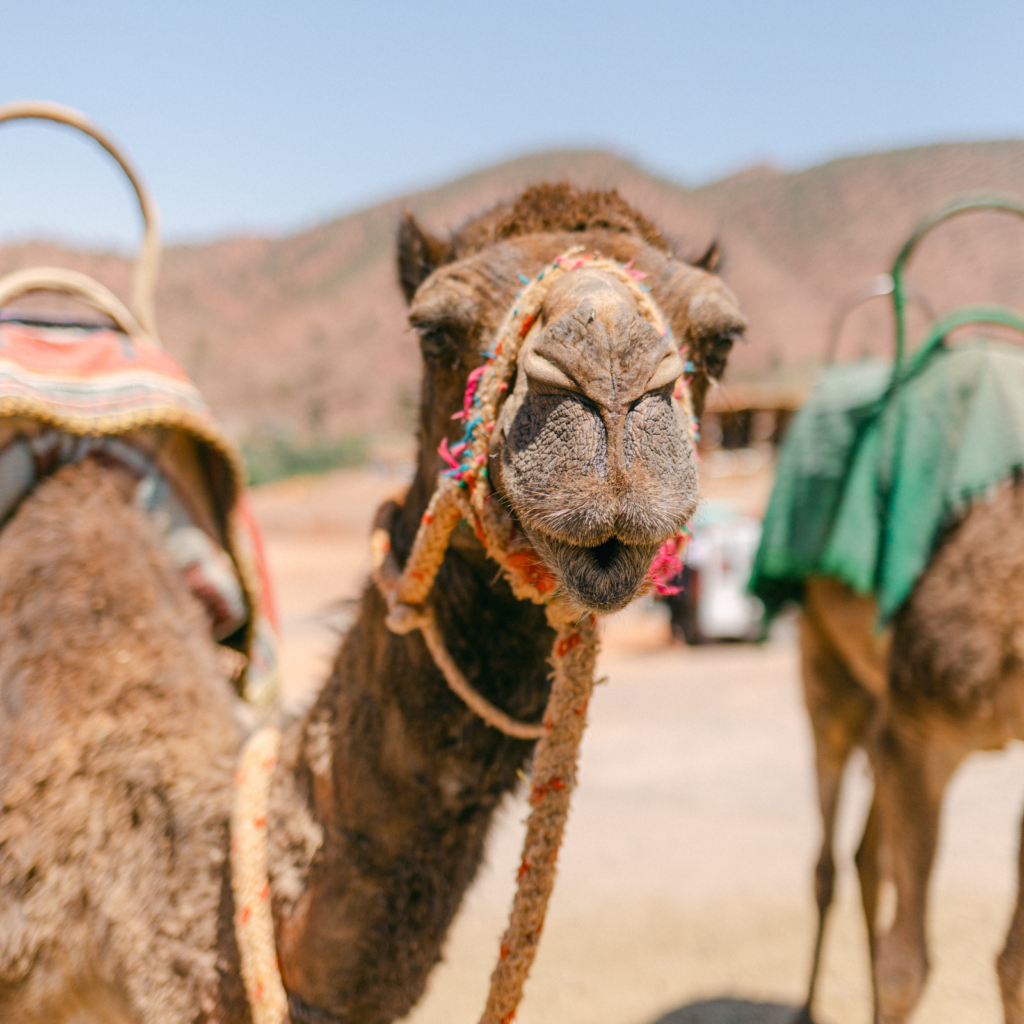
901	969
866	861
825	879
863	860
1010	968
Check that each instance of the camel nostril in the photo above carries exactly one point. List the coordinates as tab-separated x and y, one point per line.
604	554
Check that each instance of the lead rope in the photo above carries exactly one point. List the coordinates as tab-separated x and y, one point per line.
250	885
462	494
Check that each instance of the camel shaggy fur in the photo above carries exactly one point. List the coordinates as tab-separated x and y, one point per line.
117	750
945	680
117	776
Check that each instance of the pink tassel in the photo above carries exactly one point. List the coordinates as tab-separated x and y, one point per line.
449	455
668	564
471	384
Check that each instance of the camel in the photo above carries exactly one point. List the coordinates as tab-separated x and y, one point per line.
945	677
953	683
117	777
126	552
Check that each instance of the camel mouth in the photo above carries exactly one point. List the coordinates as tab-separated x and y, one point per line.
602	577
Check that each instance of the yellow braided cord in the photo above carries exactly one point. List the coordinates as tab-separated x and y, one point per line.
519	323
254	921
493	716
443	514
465	492
553	780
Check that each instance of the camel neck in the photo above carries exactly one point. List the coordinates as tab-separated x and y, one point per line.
412	783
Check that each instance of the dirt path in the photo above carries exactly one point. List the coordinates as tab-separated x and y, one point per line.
684	894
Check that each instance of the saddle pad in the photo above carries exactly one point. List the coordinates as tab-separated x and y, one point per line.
870	475
71	391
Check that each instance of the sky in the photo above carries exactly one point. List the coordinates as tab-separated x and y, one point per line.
262	117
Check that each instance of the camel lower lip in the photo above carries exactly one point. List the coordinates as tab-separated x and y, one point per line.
602	578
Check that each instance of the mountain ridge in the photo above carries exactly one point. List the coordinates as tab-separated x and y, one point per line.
305	334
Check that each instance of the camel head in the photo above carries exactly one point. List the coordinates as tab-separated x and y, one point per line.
591	452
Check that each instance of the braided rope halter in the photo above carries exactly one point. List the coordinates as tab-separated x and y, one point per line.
463	492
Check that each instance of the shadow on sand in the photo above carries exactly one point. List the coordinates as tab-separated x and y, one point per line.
730	1011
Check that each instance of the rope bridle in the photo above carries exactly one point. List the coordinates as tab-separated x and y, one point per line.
463	493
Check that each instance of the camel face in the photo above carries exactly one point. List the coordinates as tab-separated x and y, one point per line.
590	452
594	456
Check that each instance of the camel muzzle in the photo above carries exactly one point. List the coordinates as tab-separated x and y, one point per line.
603	578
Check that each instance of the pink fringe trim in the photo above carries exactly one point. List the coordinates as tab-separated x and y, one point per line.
668	563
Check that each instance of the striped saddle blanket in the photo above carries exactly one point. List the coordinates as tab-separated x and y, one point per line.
71	391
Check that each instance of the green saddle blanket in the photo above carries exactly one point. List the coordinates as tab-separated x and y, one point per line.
870	475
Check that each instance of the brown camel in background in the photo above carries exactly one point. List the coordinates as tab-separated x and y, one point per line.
843	670
116	771
945	680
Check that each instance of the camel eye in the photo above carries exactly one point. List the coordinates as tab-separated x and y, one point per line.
717	354
439	347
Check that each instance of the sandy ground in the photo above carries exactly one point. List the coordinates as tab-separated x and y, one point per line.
684	893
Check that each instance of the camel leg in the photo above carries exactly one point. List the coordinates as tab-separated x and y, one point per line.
911	774
869	875
839	711
1010	964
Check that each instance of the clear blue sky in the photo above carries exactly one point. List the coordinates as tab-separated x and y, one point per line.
264	117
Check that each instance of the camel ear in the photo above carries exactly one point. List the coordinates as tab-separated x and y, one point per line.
712	258
419	255
715	323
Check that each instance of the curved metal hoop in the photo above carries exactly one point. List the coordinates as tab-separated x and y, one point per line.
70	282
875	288
964	204
147	264
1002	316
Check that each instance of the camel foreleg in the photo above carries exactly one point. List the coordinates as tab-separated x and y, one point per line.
1010	965
869	876
912	770
840	711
